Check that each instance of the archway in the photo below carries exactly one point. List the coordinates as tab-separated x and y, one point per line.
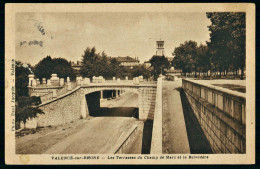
112	103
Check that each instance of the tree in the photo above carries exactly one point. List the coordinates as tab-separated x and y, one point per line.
117	71
59	66
43	69
27	108
102	67
89	61
63	68
140	71
159	64
185	57
227	40
203	59
96	64
21	78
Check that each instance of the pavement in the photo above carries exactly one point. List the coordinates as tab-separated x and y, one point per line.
182	133
175	139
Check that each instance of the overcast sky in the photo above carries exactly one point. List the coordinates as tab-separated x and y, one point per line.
67	35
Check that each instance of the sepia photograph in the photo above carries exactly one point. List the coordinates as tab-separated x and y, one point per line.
132	86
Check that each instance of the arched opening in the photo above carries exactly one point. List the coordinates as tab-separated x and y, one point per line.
109	103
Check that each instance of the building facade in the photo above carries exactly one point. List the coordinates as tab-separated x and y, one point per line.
128	61
159	48
76	65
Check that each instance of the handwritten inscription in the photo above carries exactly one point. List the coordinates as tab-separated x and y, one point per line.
34	42
41	29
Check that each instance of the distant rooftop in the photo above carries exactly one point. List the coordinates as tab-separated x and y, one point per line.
126	59
78	63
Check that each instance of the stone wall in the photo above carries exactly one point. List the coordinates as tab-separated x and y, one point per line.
221	114
156	145
62	110
146	102
125	142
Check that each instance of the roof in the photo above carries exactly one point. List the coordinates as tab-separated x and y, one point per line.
126	59
78	63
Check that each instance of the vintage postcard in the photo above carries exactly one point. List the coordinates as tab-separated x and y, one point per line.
130	83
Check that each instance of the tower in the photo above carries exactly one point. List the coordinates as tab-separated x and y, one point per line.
160	48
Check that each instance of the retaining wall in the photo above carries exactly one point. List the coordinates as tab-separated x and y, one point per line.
156	145
125	142
221	114
146	102
61	110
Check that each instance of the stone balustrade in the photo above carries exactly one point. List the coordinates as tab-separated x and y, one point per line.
46	88
136	81
98	79
53	81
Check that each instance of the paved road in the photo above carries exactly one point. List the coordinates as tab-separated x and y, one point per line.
97	136
127	99
101	133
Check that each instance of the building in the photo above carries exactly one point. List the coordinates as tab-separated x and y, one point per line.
76	65
128	61
159	48
147	64
159	52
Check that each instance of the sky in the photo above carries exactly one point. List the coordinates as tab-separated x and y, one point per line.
67	35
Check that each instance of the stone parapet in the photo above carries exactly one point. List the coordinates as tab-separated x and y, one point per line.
156	145
125	141
221	114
